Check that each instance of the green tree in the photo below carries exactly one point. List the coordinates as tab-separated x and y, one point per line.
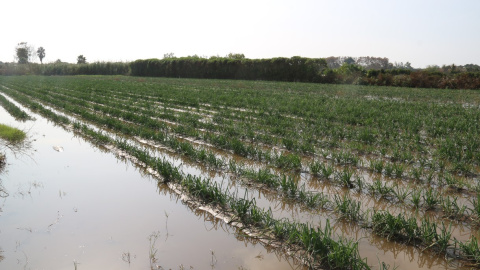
349	60
23	53
237	56
41	54
81	59
408	65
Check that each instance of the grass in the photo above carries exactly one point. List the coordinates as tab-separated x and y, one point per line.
11	134
14	110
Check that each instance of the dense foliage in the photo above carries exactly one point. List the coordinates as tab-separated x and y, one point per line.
294	69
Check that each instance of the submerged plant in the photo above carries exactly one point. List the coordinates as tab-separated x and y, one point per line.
394	227
470	250
345	177
377	165
401	193
316	167
451	208
431	198
382	189
475	210
347	207
415	196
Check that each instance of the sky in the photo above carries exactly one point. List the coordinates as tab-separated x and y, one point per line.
422	32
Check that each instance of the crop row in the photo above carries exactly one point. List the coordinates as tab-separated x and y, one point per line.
346	129
13	110
282	161
401	151
345	177
343	203
318	244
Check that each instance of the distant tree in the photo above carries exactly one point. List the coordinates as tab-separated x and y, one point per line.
333	62
58	61
81	59
41	54
194	56
369	62
408	65
24	53
168	55
432	68
349	60
472	67
238	56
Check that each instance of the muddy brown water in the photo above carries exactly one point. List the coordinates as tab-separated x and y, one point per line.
83	207
86	208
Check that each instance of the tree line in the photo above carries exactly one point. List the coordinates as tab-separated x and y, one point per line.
360	71
333	70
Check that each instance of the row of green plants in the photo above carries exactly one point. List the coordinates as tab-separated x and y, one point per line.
13	110
348	205
290	161
185	148
344	177
401	156
415	172
319	244
337	135
377	116
209	193
282	161
148	129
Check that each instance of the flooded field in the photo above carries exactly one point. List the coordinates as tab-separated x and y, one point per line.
83	208
125	172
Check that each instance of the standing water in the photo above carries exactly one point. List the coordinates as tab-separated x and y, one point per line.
70	205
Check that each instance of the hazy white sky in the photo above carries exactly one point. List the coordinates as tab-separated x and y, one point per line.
423	32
